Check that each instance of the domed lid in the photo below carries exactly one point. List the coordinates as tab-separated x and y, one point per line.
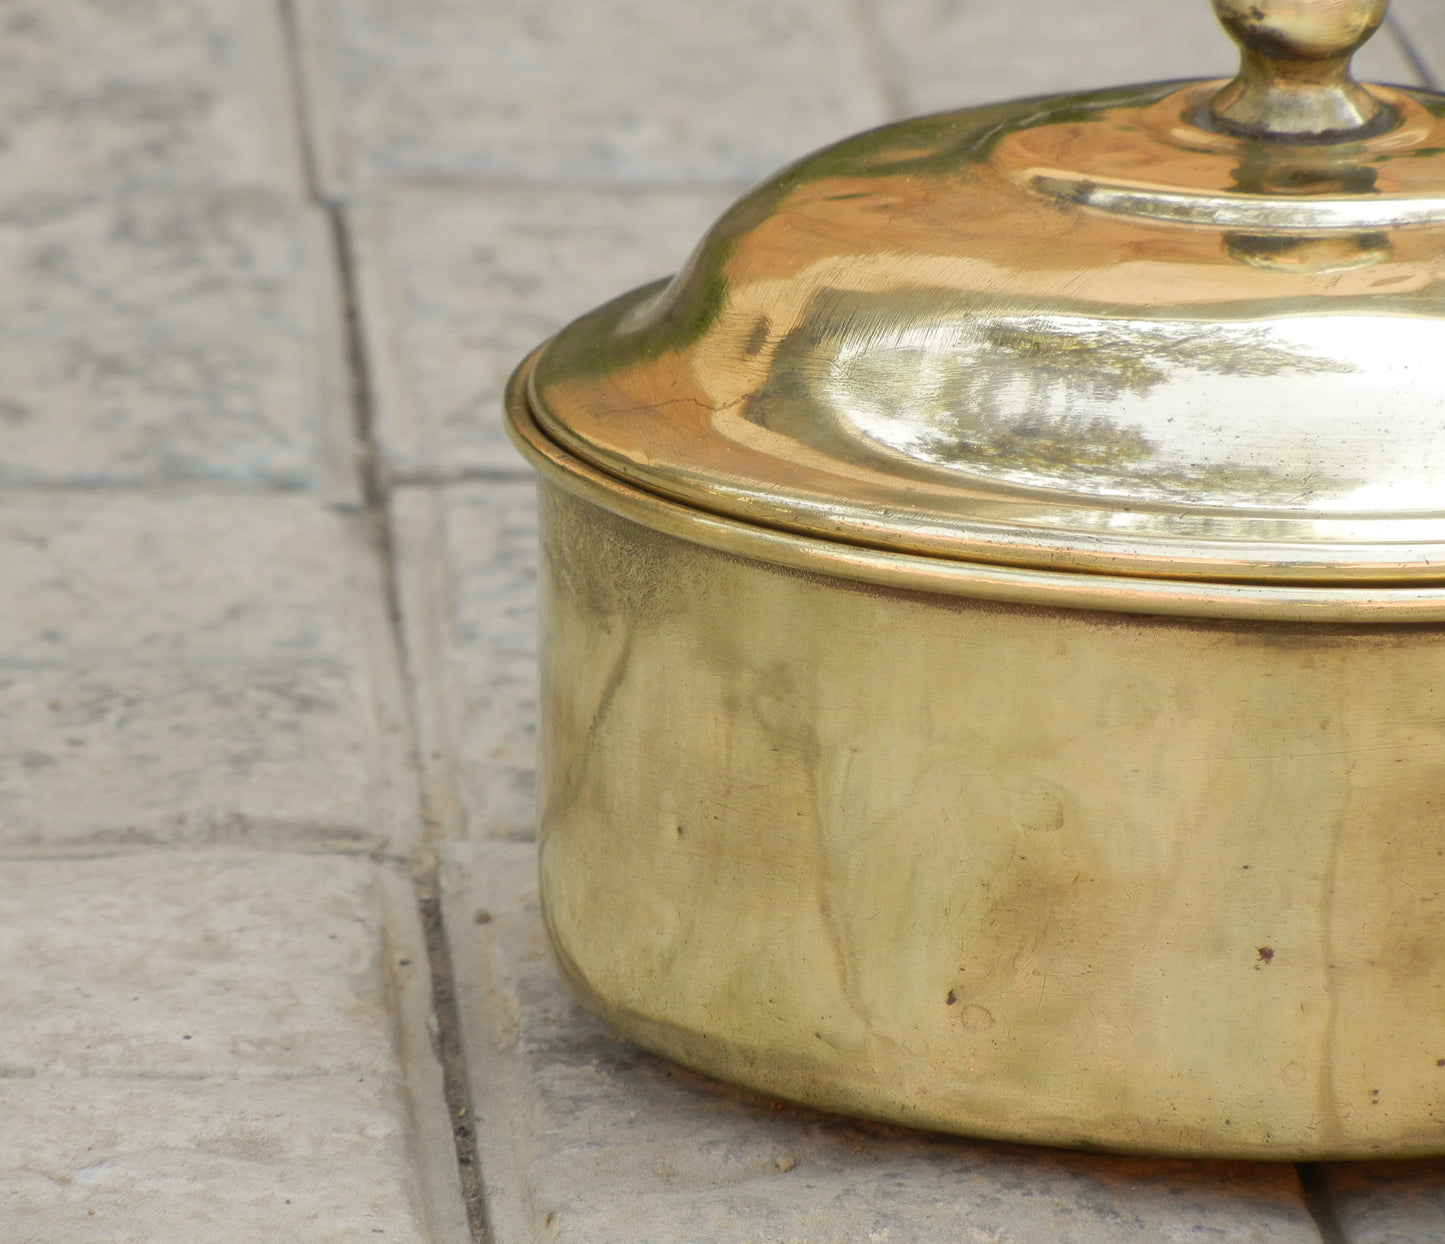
1187	330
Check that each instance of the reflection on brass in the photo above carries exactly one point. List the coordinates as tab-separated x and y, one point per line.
917	340
1294	79
993	606
1363	602
1241	212
996	870
1329	253
1305	179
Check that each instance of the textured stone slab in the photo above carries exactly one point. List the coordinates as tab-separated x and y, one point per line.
173	337
953	53
583	1137
561	91
218	1046
457	286
188	966
467	567
98	97
320	1161
190	669
1386	1202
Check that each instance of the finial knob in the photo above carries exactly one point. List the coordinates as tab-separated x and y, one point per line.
1294	81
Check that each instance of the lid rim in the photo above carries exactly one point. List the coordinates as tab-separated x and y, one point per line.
1015	541
1410	603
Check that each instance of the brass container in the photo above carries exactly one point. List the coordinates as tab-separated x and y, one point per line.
994	625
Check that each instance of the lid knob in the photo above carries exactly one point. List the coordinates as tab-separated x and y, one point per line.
1294	81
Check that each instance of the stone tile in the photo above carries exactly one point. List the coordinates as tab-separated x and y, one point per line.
467	569
184	966
457	286
321	1161
580	90
100	96
196	669
954	53
237	1043
1386	1202
106	578
171	338
584	1137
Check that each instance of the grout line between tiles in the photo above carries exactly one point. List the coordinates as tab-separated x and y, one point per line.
426	1052
374	492
292	27
455	1085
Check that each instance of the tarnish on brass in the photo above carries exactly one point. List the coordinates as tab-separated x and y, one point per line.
993	620
1151	885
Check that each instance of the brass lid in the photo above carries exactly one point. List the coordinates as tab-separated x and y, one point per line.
1187	330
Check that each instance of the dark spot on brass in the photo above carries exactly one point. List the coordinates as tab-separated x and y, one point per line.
952	998
758	338
483	916
1266	954
1308	254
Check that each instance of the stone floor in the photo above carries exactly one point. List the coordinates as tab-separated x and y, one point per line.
274	970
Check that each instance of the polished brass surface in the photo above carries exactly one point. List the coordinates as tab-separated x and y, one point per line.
993	621
1114	881
1397	604
1079	333
1294	79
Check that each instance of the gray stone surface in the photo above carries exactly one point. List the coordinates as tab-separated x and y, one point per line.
1420	24
562	90
585	1138
193	966
162	337
953	53
196	669
131	1161
458	286
1386	1202
215	1046
467	568
101	96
